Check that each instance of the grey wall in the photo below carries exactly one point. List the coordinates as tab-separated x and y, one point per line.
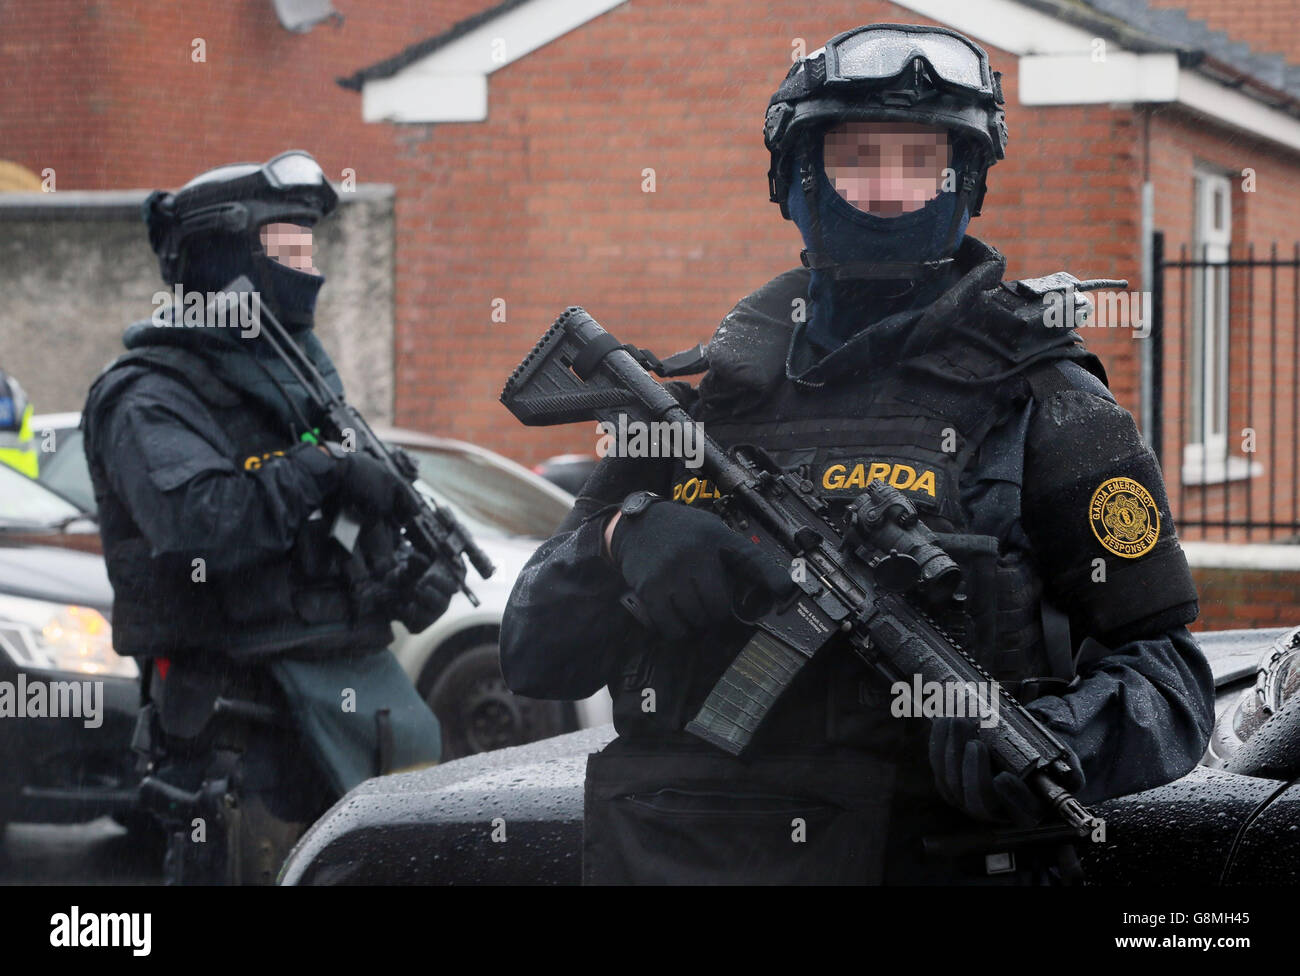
76	269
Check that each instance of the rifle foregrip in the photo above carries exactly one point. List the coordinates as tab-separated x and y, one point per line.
745	694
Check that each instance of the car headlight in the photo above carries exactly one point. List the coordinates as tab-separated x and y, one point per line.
60	637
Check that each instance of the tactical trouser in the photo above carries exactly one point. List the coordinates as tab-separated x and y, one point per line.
228	776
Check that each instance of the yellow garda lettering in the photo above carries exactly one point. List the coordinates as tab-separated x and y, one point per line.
253	462
838	477
694	489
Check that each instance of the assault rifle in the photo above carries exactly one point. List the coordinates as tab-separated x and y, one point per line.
853	582
431	529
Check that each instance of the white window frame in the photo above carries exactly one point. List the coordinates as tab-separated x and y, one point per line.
1206	459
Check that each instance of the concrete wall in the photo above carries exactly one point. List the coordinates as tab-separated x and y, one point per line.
76	269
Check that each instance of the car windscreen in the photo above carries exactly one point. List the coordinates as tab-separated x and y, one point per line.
488	495
25	502
66	472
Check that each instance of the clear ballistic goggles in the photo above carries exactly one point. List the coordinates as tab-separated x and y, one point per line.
293	169
880	53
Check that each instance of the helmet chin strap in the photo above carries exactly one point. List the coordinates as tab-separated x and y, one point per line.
819	260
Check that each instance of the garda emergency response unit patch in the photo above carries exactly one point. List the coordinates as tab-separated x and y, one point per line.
1124	517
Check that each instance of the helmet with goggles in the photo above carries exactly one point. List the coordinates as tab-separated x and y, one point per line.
890	73
236	200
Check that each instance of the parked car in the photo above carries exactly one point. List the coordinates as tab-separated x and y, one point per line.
1236	823
55	628
454	663
62	460
567	471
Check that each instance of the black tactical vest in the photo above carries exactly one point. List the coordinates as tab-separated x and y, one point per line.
952	444
304	603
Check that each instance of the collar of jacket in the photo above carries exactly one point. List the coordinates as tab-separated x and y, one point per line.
902	334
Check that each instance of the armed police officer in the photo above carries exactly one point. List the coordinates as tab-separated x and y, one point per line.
896	353
260	614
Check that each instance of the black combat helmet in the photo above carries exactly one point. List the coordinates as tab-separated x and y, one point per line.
888	73
208	231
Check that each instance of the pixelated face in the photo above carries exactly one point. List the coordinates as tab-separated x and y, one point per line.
886	168
290	245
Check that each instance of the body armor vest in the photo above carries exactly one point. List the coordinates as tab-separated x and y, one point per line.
955	453
303	602
928	426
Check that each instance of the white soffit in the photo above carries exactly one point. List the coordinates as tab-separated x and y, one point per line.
1056	68
1076	79
450	84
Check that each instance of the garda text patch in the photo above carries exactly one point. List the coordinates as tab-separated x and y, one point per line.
856	477
1124	517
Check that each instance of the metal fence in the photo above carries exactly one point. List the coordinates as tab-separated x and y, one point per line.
1225	366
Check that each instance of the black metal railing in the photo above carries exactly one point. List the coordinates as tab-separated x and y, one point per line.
1225	390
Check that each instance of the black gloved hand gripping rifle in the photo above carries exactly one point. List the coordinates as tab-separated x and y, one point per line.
431	529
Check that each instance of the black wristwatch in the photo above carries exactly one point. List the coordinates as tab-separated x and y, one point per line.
637	502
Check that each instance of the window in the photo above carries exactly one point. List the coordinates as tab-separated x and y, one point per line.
1205	457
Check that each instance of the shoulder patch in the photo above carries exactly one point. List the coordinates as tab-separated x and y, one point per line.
1124	517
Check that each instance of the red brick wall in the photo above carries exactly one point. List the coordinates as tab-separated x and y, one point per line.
548	210
104	91
1234	598
541	205
1266	25
1259	399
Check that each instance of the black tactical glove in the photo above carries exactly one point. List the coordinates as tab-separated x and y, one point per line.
688	568
426	600
412	591
963	774
366	484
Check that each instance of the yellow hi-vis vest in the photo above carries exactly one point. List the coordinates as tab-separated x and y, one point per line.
18	450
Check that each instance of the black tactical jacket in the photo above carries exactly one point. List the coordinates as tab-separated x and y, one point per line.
216	522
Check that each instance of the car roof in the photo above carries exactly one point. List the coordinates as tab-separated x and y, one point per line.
404	437
1236	654
56	421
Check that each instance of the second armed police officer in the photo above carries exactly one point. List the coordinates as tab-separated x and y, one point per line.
269	689
896	353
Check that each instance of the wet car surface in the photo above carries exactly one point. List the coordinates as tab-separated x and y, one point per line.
437	825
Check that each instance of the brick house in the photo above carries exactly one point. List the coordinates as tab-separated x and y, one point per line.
609	153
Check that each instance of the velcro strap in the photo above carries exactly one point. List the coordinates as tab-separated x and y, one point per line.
585	363
683	363
686	362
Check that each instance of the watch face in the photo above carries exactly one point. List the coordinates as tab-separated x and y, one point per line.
637	502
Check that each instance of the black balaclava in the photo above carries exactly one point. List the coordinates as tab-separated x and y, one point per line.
250	364
838	309
213	261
